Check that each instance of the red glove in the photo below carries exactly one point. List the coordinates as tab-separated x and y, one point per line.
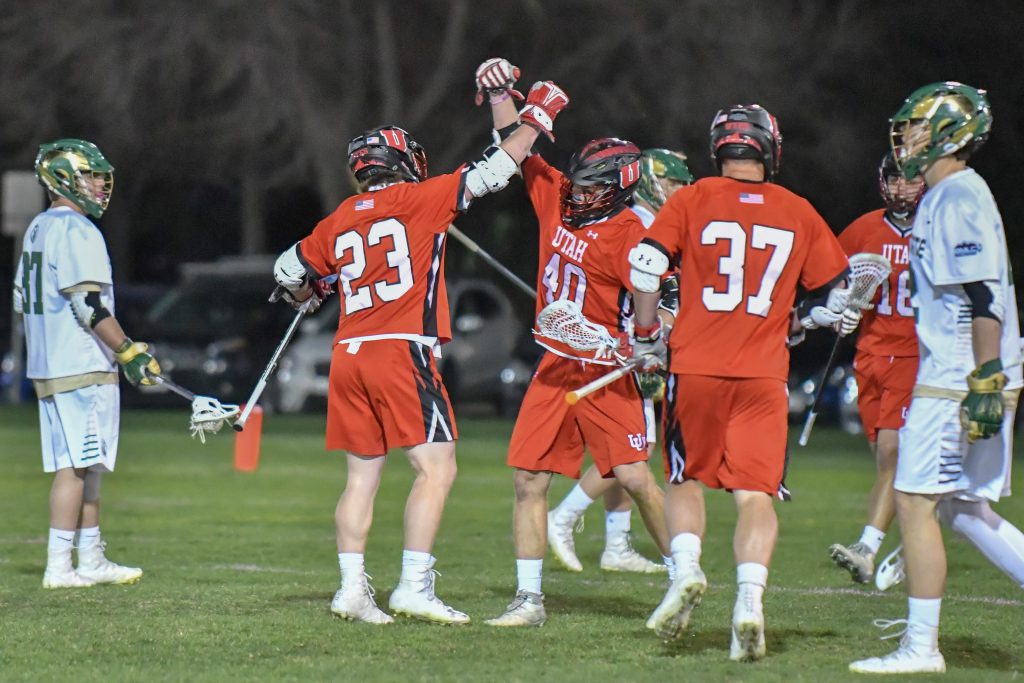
495	77
542	106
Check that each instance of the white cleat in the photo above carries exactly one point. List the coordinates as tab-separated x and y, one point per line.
909	658
747	629
891	571
670	618
561	541
527	609
93	565
356	603
65	579
417	600
620	556
856	559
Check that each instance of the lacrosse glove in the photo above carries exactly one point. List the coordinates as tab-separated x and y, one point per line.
981	413
652	385
651	343
135	359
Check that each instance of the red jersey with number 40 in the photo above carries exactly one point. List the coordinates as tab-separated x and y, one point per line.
744	248
888	328
387	247
588	265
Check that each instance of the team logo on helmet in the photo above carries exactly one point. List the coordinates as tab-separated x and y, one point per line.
387	150
747	131
77	171
600	181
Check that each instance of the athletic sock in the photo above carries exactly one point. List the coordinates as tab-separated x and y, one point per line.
528	574
88	536
685	550
872	538
616	527
415	564
574	504
58	549
999	541
352	568
752	577
923	622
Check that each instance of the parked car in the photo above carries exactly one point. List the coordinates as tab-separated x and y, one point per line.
481	365
838	402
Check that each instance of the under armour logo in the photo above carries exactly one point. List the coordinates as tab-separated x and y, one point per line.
591	234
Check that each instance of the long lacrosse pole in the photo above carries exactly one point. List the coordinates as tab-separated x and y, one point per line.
573	397
805	435
493	262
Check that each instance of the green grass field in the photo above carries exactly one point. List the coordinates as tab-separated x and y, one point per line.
240	569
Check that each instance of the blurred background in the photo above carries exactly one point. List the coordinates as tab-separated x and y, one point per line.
227	123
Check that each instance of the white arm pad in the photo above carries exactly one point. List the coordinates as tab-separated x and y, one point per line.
491	173
289	271
648	264
82	310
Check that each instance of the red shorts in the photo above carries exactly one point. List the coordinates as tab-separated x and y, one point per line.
734	431
884	385
550	435
387	395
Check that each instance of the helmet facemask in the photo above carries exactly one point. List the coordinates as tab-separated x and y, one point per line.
901	196
601	179
662	172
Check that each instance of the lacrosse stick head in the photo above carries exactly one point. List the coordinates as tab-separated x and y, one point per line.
209	415
563	321
867	272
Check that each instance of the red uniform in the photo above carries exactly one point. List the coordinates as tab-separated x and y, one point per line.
589	266
387	248
744	248
887	351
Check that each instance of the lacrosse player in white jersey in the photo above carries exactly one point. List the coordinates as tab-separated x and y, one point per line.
65	292
956	445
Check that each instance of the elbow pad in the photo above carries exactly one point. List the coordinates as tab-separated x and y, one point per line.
986	300
88	309
648	262
289	270
491	173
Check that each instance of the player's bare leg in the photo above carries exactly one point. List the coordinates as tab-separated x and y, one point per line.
569	514
685	517
619	554
92	561
65	509
529	531
638	481
435	467
757	528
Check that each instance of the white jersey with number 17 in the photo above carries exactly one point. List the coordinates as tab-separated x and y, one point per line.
958	238
62	249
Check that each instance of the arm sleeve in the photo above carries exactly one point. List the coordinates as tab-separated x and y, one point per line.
825	261
81	256
965	242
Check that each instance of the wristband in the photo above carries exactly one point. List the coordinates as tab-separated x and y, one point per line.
648	333
497	96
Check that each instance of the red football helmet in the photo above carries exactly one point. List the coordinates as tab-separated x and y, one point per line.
387	149
601	179
747	131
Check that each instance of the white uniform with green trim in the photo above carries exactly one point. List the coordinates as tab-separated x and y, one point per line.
63	248
957	238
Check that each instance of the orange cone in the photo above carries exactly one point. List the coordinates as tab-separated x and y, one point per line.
247	442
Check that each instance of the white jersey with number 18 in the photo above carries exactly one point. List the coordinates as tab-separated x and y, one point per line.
958	238
62	248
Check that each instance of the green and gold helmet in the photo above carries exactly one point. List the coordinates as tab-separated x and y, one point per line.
77	171
938	120
657	165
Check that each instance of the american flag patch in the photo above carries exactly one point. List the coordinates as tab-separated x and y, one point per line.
363	204
373	140
749	198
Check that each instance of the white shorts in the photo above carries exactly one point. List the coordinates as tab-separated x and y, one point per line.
935	458
79	428
652	423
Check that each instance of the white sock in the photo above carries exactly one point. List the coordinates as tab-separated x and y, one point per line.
616	526
686	549
872	538
923	622
352	568
753	577
998	540
574	504
58	549
671	567
528	574
415	564
88	536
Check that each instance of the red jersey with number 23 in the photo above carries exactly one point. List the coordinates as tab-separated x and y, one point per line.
888	328
387	247
743	248
588	265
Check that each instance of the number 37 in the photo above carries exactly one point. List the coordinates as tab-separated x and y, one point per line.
733	265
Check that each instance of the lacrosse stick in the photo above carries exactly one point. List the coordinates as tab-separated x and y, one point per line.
867	272
208	414
475	248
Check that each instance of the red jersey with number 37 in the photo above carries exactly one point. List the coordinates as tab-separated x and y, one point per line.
888	328
743	248
387	247
588	265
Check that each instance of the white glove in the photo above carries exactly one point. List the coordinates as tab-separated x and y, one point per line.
496	76
18	300
654	350
820	316
838	300
849	319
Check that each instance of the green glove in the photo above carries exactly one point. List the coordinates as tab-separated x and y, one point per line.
652	385
981	413
134	359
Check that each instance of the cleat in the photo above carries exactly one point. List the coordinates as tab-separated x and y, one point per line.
93	565
747	629
891	571
65	579
561	541
416	599
856	559
620	556
527	609
909	658
670	618
356	603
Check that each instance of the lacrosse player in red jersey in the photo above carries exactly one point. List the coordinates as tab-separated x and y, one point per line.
387	245
742	244
885	365
586	229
